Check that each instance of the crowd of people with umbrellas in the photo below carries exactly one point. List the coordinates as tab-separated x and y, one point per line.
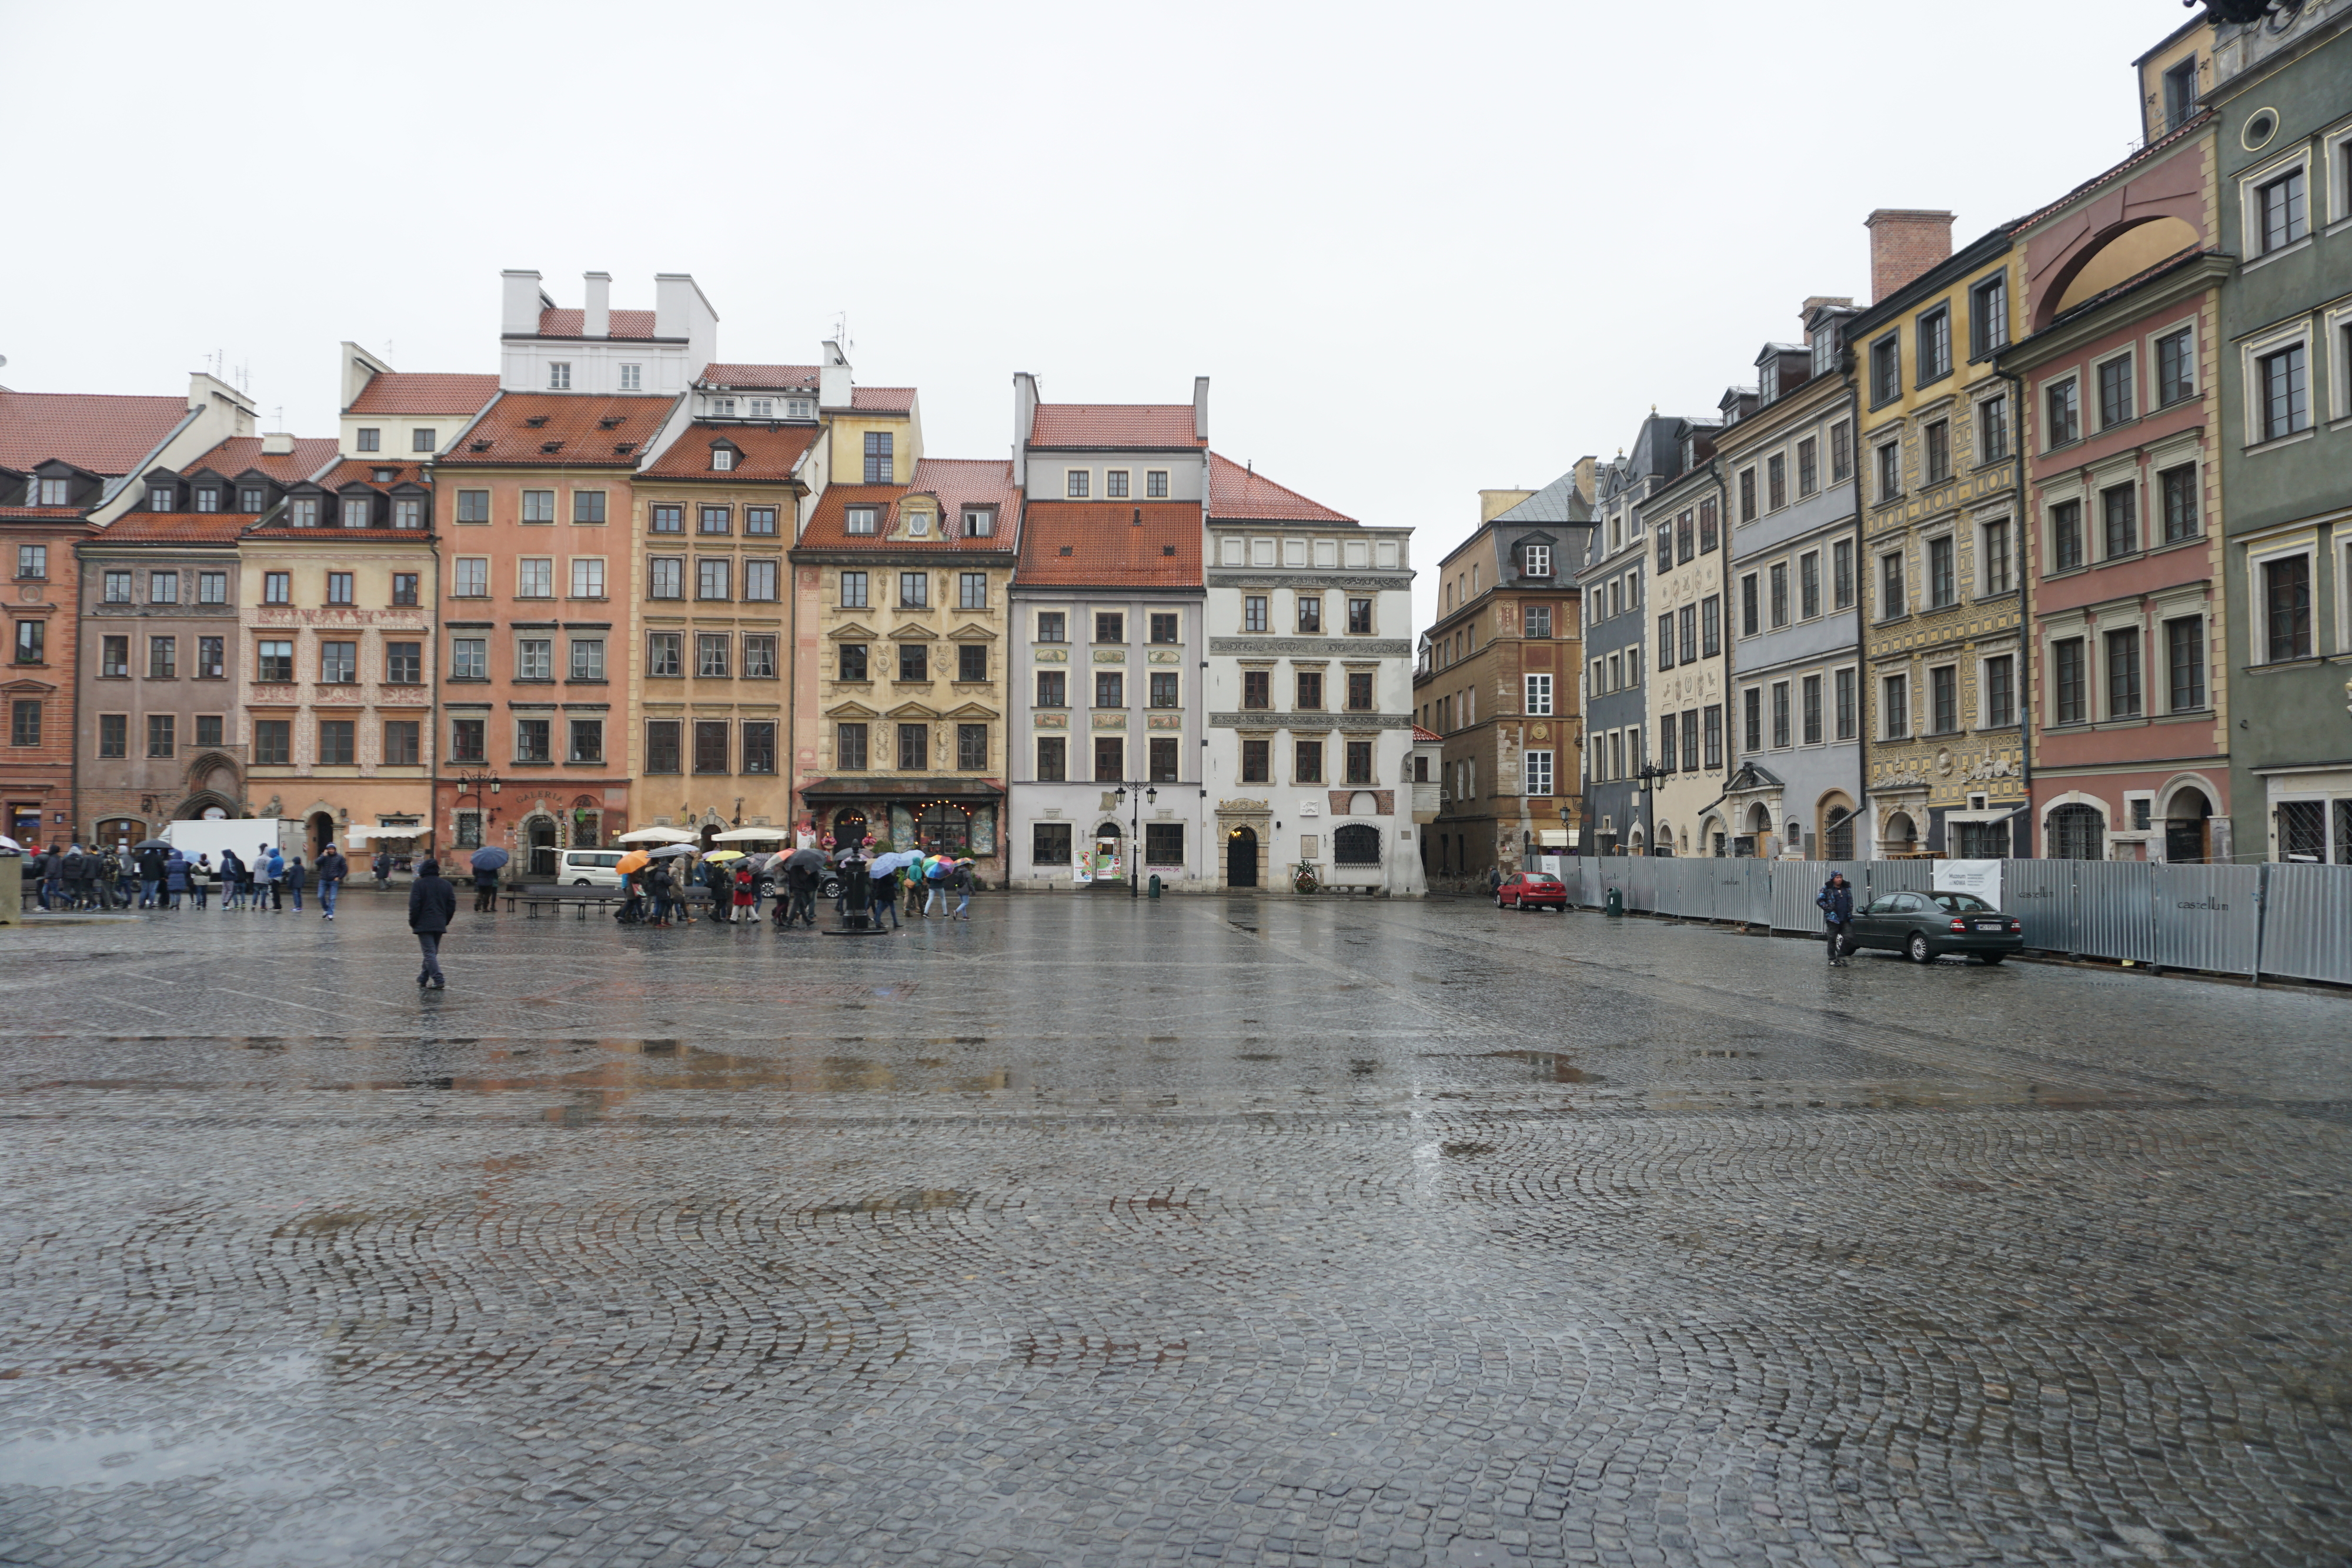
665	863
154	875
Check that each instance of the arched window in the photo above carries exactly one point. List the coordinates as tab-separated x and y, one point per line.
1837	839
1356	844
2077	833
1901	837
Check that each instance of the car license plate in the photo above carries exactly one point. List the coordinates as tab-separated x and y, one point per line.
1990	926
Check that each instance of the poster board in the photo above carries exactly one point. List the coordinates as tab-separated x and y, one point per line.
1980	877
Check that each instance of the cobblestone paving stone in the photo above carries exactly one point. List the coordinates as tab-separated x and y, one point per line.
1201	1231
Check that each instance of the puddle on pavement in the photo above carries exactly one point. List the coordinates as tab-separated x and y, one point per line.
104	1460
1550	1066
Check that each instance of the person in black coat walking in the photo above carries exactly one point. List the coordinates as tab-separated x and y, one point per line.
432	902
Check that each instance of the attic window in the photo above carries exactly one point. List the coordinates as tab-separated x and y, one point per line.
208	499
253	498
1167	549
623	448
382	475
158	498
978	522
1068	550
860	520
479	446
722	458
918	524
551	446
537	421
610	422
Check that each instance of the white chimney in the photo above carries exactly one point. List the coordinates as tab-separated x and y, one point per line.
518	303
277	443
597	316
833	377
1024	419
683	315
1200	408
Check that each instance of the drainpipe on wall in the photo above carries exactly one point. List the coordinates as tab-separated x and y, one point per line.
2025	639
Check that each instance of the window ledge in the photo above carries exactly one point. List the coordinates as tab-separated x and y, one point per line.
1989	597
2054	574
586	681
2269	256
530	762
2309	661
1893	620
2170	545
1996	729
2275	441
586	598
2184	715
467	680
591	762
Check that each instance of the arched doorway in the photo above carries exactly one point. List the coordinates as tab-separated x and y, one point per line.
322	833
1240	858
541	833
1902	836
1837	834
848	827
1106	854
1666	840
119	834
2187	824
2077	833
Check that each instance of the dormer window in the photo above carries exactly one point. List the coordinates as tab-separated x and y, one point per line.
1767	379
763	408
253	498
356	511
53	493
559	375
304	512
1825	348
381	476
1536	559
160	497
723	406
633	378
208	499
978	522
861	519
800	408
722	458
919	525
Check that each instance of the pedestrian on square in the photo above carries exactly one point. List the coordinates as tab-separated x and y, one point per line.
431	904
151	878
269	867
73	870
293	881
382	870
486	889
1835	902
960	884
886	895
721	888
231	880
747	893
936	872
114	881
175	880
200	879
46	877
331	870
657	886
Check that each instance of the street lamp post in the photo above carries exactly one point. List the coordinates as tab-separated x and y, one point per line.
1133	797
1648	773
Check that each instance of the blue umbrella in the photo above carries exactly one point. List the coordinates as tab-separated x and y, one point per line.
883	865
490	859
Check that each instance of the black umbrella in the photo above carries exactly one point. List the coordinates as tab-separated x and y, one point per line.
148	844
490	859
806	859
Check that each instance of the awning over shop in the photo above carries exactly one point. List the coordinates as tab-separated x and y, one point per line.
899	787
361	832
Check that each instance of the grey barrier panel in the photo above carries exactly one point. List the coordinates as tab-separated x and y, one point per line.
2041	895
1698	888
1572	877
1900	876
1674	887
1583	888
1760	893
1642	885
1794	883
1666	884
2306	922
2206	916
2115	910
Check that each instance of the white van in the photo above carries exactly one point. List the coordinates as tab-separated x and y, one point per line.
590	868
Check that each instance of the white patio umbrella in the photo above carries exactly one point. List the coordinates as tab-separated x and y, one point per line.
748	836
657	836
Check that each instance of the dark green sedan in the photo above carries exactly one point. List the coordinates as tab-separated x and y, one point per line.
1926	926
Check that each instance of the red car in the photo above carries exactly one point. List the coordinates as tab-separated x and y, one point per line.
1532	890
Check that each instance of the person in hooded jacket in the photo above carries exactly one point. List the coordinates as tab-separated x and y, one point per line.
231	880
200	879
175	879
330	873
293	880
151	878
1835	902
431	902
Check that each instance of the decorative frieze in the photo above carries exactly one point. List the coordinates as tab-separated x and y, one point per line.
1314	647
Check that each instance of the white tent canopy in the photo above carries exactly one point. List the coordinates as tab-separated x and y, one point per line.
360	832
657	836
750	835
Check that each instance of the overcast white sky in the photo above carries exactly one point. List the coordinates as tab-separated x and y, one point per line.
1419	249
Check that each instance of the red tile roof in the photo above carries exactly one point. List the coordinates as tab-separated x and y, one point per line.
239	453
883	400
956	482
1115	426
363	471
1420	734
762	377
100	432
767	455
505	436
68	513
178	528
395	392
1098	544
1236	493
554	323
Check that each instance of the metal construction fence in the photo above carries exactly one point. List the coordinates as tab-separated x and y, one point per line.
2287	920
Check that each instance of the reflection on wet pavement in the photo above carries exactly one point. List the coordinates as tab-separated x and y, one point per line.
1238	1231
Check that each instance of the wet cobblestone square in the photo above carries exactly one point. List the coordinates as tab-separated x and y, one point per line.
1201	1230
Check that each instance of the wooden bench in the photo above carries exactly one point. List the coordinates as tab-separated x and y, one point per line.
560	898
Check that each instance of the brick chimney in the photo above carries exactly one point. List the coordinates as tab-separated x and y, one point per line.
1904	243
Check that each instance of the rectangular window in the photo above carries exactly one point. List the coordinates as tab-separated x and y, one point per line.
1538	696
1053	689
209	726
1115	483
2119	514
710	650
1536	559
713	520
1053	626
1752	717
1780	714
162	735
1053	760
1686	540
466	743
759	522
587	658
1748	495
32	642
586	740
1360	690
664	652
534	658
1049	843
848	748
1893	599
861	519
273	662
276	588
972	591
404	664
1989	316
370	439
1167	628
1665	538
404	588
1164	684
1944	699
535	577
559	376
1943	583
850	658
1843	686
879	466
211	658
114	734
1538	766
1934	334
1840	451
587	578
2282	216
2287	605
1751	620
473	506
710	739
2184	658
663	519
1936	440
1778	577
1666	641
971	748
710	580
2283	392
1690	738
2065	536
1257	761
1309	691
1160	765
1894	706
337	742
404	743
1257	688
914	589
1992	430
33	560
1809	701
114	658
212	588
471	578
588	507
1809	472
1686	633
539	506
118	587
1155	484
2115	391
1710	625
2001	692
2175	370
339	588
852	595
1309	769
273	741
914	748
2069	688
1711	719
357	511
1885	371
2177	487
1077	484
2065	423
972	662
1710	531
1110	689
1110	758
252	498
759	656
1997	557
1253	617
1808	585
1310	613
1776	482
2123	673
469	659
163	587
1890	470
663	746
